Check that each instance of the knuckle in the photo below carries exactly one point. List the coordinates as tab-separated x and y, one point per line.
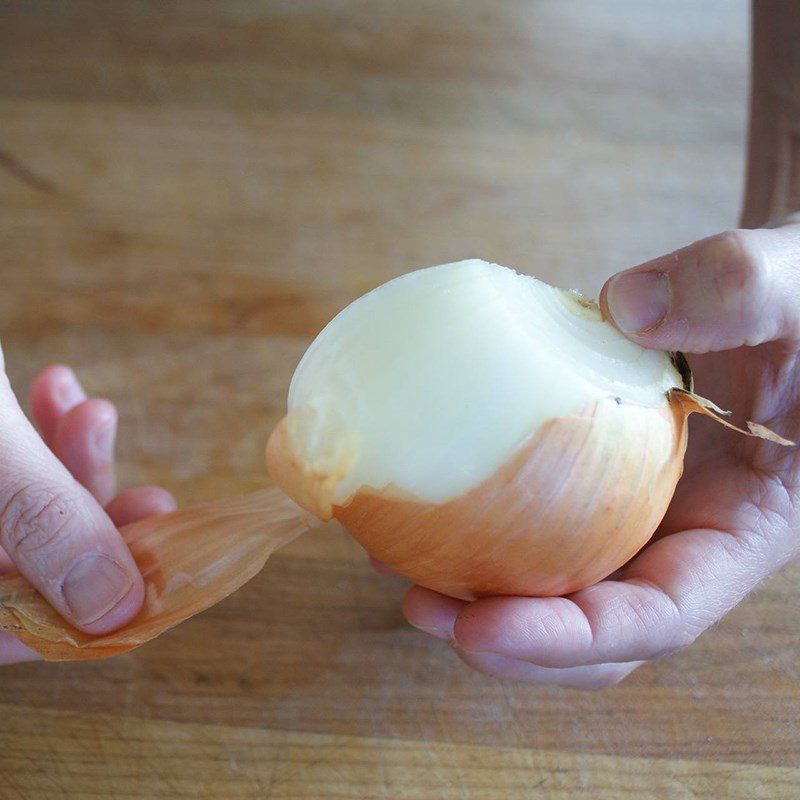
640	613
548	627
33	518
736	266
655	619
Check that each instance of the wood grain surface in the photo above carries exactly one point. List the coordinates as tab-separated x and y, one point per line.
188	192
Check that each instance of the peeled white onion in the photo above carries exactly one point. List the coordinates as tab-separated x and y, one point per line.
482	432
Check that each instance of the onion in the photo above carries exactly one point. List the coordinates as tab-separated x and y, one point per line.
481	432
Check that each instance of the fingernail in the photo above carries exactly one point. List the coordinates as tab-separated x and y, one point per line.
103	438
93	586
638	301
439	633
68	390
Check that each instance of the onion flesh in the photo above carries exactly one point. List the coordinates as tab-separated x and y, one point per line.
428	383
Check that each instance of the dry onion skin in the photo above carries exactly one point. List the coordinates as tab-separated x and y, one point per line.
483	433
190	560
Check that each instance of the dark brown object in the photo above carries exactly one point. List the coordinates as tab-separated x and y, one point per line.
772	192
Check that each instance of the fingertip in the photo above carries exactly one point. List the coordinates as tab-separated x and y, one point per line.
90	427
103	410
485	625
54	392
102	420
84	442
528	628
156	499
133	505
432	612
637	301
602	301
101	589
718	293
55	376
122	613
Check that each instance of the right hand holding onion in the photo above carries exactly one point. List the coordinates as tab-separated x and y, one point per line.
734	300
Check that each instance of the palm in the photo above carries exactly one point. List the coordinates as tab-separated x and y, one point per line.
727	476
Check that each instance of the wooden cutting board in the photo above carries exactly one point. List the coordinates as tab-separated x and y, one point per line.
188	192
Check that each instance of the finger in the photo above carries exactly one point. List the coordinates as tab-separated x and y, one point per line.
432	612
670	593
57	535
84	442
592	678
55	391
12	651
135	504
436	614
729	290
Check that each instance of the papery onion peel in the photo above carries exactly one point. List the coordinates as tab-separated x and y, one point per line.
190	560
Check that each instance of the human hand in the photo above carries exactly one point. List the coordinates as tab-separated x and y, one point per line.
58	509
733	300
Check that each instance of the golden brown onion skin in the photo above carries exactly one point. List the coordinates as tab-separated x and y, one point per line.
571	505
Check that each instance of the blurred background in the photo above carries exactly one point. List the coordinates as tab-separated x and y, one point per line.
188	192
191	190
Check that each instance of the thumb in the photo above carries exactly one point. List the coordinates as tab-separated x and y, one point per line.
55	532
732	289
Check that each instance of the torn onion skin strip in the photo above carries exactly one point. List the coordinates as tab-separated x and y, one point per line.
190	560
693	403
482	433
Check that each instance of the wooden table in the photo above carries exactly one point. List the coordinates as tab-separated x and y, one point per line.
188	192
